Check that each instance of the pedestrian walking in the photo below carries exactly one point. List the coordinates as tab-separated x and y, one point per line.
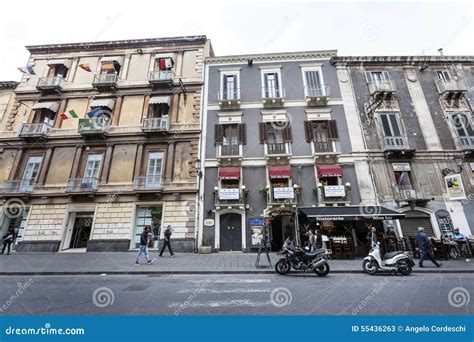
423	244
8	239
144	247
312	241
167	241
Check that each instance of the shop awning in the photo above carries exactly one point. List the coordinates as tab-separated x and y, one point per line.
351	213
110	59
279	172
229	173
52	106
66	62
329	170
160	99
109	103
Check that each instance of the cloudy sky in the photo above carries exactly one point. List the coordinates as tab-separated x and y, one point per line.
236	27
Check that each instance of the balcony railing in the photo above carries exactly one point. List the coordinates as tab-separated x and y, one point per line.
230	150
378	87
50	83
317	95
466	143
334	194
281	195
328	146
272	97
87	184
148	183
35	130
276	148
161	76
444	86
17	186
156	124
395	143
94	126
229	196
407	194
229	98
105	80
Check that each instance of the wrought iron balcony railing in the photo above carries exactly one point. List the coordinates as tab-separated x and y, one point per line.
156	124
276	148
105	80
148	182
161	76
50	83
35	130
86	184
91	126
17	186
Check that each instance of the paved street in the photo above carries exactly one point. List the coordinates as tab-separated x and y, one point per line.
336	294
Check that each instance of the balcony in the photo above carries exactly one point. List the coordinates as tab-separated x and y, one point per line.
229	197
382	89
452	89
82	185
327	150
156	125
94	126
410	195
229	99
334	194
276	149
467	145
397	146
317	96
54	84
37	130
281	196
273	97
105	81
148	185
161	78
17	187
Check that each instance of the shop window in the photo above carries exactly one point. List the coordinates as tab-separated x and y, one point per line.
148	216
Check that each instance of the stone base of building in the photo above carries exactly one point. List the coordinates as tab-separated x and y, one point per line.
180	245
116	245
37	246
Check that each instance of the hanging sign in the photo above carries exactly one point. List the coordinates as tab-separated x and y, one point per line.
454	187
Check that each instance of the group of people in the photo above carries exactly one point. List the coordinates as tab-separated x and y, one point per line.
311	238
144	240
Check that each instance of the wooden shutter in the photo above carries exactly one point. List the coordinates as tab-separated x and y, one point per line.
368	77
263	132
308	130
386	76
218	134
332	130
242	134
287	134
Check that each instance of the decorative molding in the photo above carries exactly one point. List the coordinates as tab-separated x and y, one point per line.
404	60
325	54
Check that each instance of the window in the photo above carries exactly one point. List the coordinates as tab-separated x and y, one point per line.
164	63
30	174
44	116
379	79
56	70
271	85
391	129
92	169
154	169
230	87
314	85
322	134
443	75
275	135
403	180
110	67
230	137
463	127
159	110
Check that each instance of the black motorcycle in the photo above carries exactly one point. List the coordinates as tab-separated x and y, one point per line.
298	259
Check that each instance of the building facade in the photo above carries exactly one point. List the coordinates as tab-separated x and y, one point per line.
101	139
416	120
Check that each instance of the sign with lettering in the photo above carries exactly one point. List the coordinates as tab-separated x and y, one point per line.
229	194
283	193
401	166
334	191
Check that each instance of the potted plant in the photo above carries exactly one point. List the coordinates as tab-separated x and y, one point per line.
206	246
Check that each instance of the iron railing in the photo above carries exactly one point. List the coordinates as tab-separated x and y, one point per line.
272	198
230	150
105	79
161	76
269	93
395	143
276	148
408	193
226	196
334	194
98	125
156	124
148	182
327	146
229	95
383	86
86	184
321	91
466	143
36	129
56	82
445	86
17	186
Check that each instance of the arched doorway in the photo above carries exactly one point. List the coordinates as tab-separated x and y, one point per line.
414	219
230	232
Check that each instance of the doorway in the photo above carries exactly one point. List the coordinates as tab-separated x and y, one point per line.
79	230
231	232
282	227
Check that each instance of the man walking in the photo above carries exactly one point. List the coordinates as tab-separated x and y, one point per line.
423	244
144	246
166	241
8	239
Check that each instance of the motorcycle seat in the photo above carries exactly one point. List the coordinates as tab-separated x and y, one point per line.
392	254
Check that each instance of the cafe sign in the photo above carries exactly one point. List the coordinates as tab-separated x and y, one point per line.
334	191
229	194
401	167
283	193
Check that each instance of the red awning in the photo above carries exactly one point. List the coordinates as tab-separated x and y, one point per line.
229	173
329	170
279	172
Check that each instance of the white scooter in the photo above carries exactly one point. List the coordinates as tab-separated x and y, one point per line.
394	261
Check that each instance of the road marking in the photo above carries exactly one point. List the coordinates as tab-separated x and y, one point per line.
226	291
230	281
219	304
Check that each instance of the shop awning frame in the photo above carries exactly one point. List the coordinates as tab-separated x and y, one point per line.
279	172
66	62
109	103
351	213
229	173
160	99
333	170
52	106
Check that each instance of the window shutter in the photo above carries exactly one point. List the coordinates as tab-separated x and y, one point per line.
308	131
386	76
218	133
263	132
287	134
242	134
368	77
332	130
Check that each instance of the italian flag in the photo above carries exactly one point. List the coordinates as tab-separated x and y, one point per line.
68	115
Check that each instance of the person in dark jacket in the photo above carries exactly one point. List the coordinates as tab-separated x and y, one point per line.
144	246
423	244
167	241
8	239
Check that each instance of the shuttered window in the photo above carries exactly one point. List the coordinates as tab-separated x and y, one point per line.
230	134
275	133
313	83
390	125
321	130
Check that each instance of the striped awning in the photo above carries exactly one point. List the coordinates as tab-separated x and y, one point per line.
164	55
160	99
109	103
109	59
329	170
66	62
229	172
52	106
279	172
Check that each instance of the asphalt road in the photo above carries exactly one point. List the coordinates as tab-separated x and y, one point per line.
336	294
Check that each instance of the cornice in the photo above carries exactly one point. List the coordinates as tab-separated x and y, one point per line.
8	84
303	55
400	60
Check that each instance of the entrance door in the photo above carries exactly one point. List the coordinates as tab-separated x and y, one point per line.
231	232
413	220
79	230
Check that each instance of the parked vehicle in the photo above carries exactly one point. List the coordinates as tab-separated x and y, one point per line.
398	261
301	260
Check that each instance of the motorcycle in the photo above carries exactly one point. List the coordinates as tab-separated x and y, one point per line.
397	261
298	259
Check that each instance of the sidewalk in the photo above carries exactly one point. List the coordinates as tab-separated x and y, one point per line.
219	263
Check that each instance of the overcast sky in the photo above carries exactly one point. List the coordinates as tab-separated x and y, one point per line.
237	27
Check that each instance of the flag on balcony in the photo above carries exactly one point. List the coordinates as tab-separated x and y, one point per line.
69	115
28	70
162	64
97	111
85	67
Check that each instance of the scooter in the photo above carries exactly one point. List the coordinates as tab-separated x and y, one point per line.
398	261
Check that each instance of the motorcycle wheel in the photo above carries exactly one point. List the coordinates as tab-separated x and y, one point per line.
370	267
282	267
322	270
404	268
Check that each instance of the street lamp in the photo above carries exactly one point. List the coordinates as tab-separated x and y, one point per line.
460	164
197	165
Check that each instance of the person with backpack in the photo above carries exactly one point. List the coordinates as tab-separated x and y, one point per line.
167	241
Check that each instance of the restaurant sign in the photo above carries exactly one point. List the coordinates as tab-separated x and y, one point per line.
354	218
283	193
229	194
334	191
401	166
